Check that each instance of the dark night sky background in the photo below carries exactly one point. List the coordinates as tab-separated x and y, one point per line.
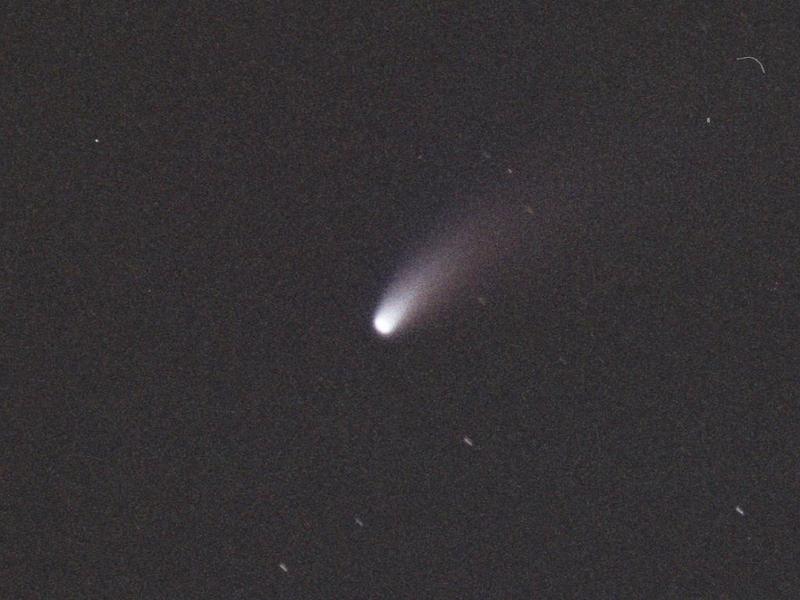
203	206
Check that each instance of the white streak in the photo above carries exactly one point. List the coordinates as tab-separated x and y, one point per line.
763	70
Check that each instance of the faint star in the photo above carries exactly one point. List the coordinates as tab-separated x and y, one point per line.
284	568
468	441
739	510
359	522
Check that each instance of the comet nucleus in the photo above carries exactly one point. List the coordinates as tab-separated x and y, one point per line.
386	321
398	305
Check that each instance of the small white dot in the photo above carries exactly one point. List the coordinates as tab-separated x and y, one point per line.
359	522
284	568
96	140
739	510
708	119
468	441
509	170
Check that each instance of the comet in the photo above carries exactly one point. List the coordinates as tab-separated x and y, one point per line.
444	266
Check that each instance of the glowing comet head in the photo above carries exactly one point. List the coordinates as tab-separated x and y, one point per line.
385	323
390	315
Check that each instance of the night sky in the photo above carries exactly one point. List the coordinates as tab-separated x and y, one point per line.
203	207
